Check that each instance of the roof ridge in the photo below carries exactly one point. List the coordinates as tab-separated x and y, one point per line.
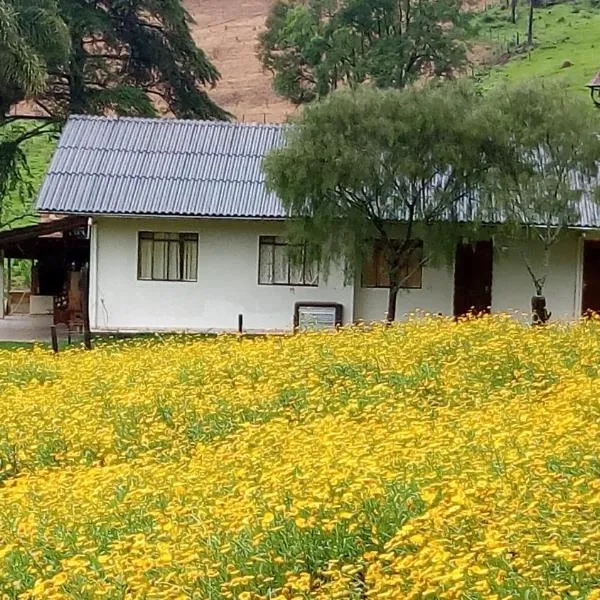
151	177
161	151
171	121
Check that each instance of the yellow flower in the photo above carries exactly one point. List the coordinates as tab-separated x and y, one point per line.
387	462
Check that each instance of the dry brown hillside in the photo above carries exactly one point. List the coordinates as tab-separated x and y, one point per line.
227	30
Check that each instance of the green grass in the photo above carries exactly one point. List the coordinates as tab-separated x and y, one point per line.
563	32
19	345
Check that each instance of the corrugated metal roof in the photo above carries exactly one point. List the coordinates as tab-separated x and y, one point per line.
161	167
166	167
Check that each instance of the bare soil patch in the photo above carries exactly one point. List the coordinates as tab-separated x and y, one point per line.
227	31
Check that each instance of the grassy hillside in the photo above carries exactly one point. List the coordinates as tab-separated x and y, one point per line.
566	38
426	460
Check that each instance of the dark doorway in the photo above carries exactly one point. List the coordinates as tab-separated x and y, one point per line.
590	297
473	278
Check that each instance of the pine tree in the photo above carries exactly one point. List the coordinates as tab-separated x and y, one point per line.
132	57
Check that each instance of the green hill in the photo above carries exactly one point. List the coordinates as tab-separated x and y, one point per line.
566	44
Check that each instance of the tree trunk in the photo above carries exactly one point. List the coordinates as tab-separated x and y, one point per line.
391	309
530	26
513	11
539	311
77	100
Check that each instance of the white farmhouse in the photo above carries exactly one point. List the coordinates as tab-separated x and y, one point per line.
184	236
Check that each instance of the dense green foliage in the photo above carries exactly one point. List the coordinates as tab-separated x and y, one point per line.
33	40
314	47
360	160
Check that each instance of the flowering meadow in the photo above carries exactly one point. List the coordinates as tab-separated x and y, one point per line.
431	459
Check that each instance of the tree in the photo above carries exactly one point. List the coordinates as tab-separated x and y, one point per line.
125	57
33	39
550	149
315	46
530	24
134	58
368	165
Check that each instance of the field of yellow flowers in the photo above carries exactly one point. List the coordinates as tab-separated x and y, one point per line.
431	460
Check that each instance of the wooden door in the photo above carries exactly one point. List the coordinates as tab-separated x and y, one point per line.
473	278
590	297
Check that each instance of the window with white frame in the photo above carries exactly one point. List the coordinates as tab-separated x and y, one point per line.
280	263
167	256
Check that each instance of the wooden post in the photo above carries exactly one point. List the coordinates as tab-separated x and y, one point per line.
54	338
530	25
8	285
2	308
85	301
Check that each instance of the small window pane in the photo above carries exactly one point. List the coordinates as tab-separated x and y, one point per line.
160	269
280	270
296	273
369	271
265	260
145	258
174	268
383	276
190	260
311	275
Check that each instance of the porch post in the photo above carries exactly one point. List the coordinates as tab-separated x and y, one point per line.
8	285
2	283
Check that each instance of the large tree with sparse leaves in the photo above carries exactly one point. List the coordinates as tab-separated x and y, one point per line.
382	167
547	164
316	46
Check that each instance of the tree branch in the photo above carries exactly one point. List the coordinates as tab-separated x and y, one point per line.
15	219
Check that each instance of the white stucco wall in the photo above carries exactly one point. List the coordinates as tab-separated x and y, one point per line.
512	287
227	280
228	274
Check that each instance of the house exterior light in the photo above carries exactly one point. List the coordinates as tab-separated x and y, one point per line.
594	86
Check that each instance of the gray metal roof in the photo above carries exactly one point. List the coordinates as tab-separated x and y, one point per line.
169	167
165	167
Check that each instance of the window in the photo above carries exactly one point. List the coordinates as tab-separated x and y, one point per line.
167	256
375	272
276	268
